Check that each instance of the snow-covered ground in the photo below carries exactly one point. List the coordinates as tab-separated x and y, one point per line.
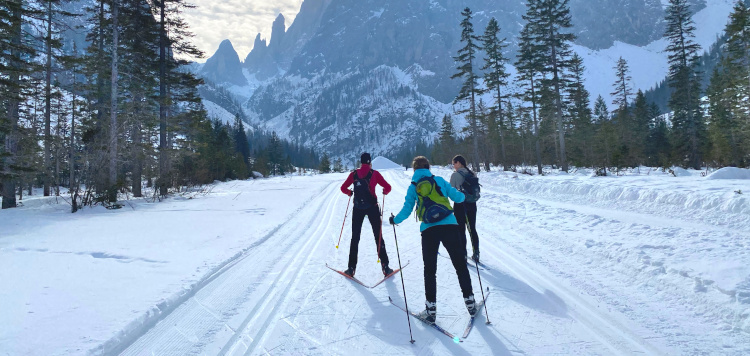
645	263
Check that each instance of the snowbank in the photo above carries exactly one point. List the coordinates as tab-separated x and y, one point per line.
730	173
382	163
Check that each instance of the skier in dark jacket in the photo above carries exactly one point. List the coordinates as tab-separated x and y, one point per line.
365	179
465	211
444	230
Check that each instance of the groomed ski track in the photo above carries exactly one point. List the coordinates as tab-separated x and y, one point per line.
279	298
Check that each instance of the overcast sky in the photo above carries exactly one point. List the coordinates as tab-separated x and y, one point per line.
238	20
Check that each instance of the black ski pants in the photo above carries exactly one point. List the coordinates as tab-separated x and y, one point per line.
431	239
358	217
462	212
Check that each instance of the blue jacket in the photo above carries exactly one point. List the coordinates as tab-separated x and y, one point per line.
411	199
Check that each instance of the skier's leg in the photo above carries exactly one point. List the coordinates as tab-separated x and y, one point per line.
430	244
471	212
373	214
451	240
358	217
459	211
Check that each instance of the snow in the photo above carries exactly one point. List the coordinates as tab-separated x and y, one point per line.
637	263
730	173
215	111
381	163
648	64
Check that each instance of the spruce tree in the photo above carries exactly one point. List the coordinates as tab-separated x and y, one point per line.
553	32
470	87
622	85
687	123
16	65
580	113
325	164
529	64
496	79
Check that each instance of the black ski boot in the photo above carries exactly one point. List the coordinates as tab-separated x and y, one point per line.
349	272
387	271
428	314
471	305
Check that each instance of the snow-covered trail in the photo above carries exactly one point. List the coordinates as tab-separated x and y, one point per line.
279	298
613	257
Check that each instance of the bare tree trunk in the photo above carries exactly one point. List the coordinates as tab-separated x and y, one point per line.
72	187
13	102
558	110
163	149
536	129
112	186
137	160
47	102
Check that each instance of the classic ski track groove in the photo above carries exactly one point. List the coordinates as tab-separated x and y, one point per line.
157	339
606	329
323	224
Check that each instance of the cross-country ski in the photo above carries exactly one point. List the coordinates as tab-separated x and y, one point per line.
480	305
432	324
362	283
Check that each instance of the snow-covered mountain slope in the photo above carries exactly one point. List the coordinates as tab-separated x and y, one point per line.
645	263
307	94
648	64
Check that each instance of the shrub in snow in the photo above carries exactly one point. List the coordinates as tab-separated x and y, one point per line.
680	172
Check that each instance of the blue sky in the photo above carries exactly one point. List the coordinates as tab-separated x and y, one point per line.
238	20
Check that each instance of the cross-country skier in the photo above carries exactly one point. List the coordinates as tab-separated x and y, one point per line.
438	225
365	179
467	210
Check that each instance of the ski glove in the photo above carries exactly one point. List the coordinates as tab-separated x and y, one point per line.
350	192
390	220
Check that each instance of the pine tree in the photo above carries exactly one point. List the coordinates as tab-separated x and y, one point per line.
325	164
242	145
687	124
173	38
641	117
580	113
554	24
622	86
470	87
496	79
530	69
16	66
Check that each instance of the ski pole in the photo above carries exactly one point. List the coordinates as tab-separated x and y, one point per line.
380	241
476	264
342	224
403	287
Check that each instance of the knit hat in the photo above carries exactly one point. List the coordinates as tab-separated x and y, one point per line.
365	158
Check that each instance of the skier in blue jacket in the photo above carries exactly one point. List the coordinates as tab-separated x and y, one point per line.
445	230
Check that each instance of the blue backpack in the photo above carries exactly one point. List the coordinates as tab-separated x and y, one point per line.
470	187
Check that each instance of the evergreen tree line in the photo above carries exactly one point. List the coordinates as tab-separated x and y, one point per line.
549	121
122	113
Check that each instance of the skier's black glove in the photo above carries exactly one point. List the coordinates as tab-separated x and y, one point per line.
390	220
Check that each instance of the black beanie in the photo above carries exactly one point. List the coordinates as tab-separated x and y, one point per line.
365	158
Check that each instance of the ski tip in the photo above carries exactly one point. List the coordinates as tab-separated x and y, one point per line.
390	300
